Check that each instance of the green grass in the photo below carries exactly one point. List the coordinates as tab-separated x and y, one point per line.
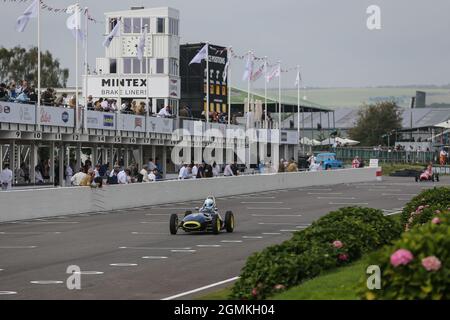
389	168
217	295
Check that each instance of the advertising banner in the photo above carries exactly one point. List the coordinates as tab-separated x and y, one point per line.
53	116
101	120
289	137
160	125
108	87
130	122
17	113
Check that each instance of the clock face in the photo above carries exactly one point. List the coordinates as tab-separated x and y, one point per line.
129	46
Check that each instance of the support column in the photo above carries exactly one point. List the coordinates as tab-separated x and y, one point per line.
164	161
52	162
111	156
141	159
1	157
33	162
153	153
78	157
94	155
126	158
12	160
61	157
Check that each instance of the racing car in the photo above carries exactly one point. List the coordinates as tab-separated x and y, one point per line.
206	219
427	175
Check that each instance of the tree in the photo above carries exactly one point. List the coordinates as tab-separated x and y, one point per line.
375	122
21	64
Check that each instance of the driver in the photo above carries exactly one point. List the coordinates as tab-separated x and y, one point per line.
209	206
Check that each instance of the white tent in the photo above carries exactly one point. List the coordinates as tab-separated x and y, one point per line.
445	124
342	141
307	141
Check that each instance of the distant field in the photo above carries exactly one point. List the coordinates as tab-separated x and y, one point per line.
355	97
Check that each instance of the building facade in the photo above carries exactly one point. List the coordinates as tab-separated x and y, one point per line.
122	76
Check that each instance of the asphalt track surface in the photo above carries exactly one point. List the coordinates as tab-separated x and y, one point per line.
129	254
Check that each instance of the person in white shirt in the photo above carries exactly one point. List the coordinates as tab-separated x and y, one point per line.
184	173
194	172
6	177
152	176
96	171
78	177
228	172
144	174
151	165
215	169
316	166
124	177
104	105
164	112
69	174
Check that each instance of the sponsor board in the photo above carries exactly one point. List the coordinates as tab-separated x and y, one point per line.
130	122
101	120
17	113
52	116
160	125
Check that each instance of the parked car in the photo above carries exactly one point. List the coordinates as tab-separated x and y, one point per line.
329	161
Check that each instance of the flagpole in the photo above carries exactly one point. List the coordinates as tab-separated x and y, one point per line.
147	98
86	94
38	108
249	83
298	101
265	93
207	85
76	72
229	84
279	96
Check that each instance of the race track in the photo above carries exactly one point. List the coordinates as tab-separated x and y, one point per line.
129	254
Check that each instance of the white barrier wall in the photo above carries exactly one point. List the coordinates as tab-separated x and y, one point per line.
28	204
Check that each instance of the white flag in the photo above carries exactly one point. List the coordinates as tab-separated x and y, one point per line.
225	71
30	12
201	55
248	68
256	75
141	45
275	73
114	33
73	23
298	79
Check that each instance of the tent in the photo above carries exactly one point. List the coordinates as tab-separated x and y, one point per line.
307	141
445	124
341	141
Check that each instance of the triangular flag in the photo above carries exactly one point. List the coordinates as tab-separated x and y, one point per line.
275	73
30	12
114	33
248	68
201	55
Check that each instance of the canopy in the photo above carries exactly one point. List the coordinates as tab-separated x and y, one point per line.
307	141
342	141
445	124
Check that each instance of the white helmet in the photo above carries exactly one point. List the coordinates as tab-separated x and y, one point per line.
209	204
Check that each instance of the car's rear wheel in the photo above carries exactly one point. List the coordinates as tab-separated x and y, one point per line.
215	224
173	224
229	221
188	212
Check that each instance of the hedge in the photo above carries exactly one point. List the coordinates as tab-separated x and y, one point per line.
336	239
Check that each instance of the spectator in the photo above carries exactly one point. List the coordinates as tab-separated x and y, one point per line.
443	157
113	176
215	169
194	171
78	177
281	167
292	166
355	162
104	105
201	171
316	166
235	168
48	98
228	172
12	90
152	175
69	175
183	173
38	177
124	176
144	173
60	101
87	179
98	105
158	166
4	96
165	112
184	113
6	177
23	97
158	175
90	103
23	174
208	170
151	165
33	95
97	170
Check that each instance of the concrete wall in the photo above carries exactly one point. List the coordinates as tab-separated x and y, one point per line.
28	204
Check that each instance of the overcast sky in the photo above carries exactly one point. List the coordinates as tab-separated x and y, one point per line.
329	39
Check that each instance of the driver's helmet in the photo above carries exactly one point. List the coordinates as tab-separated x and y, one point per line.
208	204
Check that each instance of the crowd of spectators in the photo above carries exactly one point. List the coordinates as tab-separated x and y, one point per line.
22	92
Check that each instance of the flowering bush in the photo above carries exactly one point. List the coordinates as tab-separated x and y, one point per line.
417	266
335	239
422	207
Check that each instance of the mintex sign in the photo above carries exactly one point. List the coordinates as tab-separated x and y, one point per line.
107	87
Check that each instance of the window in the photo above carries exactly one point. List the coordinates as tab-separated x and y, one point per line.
127	65
173	67
127	27
173	26
137	28
159	66
112	65
159	104
136	65
146	22
161	25
144	66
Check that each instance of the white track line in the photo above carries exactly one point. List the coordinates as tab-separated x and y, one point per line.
208	245
7	292
338	198
288	230
330	193
252	237
392	213
399	194
200	289
186	251
46	282
123	264
254	208
154	248
231	241
154	257
18	247
271	233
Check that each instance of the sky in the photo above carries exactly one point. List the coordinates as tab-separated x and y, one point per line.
329	39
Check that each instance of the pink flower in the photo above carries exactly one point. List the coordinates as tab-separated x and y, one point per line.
427	206
401	257
279	287
338	244
343	257
254	292
436	221
437	211
431	263
420	208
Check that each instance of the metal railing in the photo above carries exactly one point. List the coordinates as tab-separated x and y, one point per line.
387	156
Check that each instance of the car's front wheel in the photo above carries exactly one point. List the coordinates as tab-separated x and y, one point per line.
229	221
216	224
173	224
